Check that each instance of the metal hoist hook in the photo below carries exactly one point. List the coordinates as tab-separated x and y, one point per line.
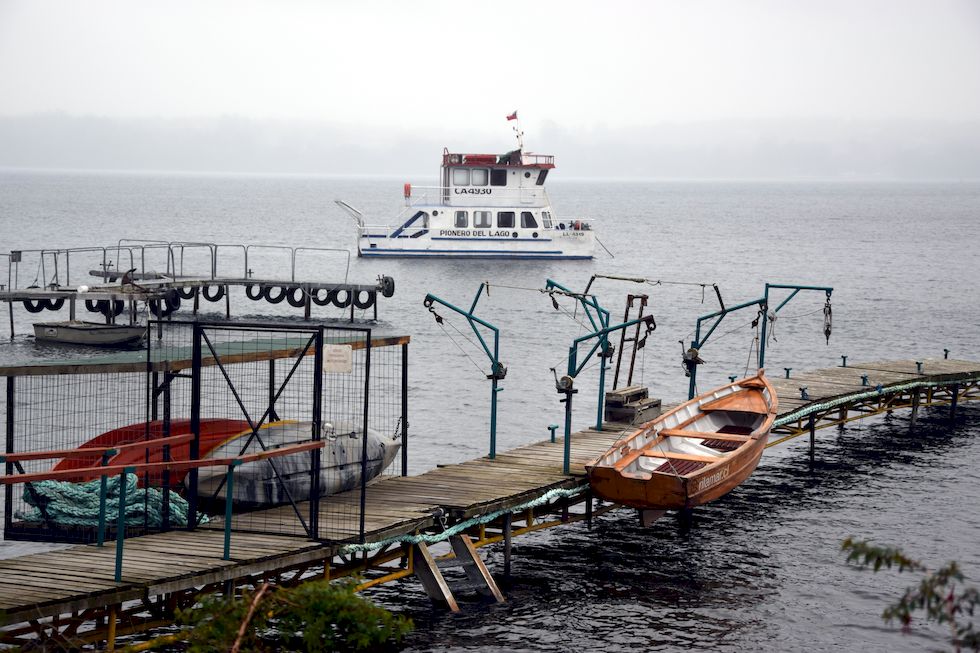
428	304
828	319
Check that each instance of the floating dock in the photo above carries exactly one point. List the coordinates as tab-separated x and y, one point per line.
72	596
186	272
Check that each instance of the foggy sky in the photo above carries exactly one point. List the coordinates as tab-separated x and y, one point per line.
769	89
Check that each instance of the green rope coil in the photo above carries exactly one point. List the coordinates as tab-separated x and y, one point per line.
77	504
846	399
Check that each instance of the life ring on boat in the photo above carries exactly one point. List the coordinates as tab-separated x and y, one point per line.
253	292
387	286
33	307
213	293
337	301
577	226
372	297
320	296
295	296
185	293
274	299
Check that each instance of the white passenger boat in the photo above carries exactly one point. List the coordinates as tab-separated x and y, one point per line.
95	334
487	206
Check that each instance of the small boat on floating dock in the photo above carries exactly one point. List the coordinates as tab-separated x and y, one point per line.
693	454
94	334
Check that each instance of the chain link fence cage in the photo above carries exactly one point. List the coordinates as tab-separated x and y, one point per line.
207	412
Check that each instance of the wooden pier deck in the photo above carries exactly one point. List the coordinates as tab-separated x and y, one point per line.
50	594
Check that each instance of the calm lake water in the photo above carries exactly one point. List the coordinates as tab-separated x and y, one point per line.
760	569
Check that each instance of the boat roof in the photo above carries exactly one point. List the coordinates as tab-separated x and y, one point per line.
514	158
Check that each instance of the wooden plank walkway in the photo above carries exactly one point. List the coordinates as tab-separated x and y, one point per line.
82	577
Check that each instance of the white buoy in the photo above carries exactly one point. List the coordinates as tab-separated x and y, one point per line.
83	289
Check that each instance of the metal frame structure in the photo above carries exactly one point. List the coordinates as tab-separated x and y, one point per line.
691	359
497	371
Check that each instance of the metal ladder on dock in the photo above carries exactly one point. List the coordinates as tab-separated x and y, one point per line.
438	588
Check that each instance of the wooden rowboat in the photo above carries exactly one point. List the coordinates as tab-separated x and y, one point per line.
693	454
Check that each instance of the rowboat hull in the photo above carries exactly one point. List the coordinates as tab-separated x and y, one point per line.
693	454
92	334
666	492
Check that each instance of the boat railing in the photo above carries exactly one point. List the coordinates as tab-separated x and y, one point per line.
161	260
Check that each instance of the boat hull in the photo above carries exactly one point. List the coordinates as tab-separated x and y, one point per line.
288	478
668	492
89	333
692	454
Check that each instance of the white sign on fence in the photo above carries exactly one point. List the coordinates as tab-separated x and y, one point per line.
338	359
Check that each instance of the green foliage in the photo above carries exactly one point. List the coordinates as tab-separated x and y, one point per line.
941	595
314	616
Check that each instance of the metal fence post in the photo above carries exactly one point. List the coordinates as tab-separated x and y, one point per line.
405	409
8	491
121	521
195	444
364	434
315	460
229	497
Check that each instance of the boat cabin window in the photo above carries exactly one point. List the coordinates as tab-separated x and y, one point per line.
542	175
479	176
498	177
481	219
461	177
528	221
505	219
546	219
462	219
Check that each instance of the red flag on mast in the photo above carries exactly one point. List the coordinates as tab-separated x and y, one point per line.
512	116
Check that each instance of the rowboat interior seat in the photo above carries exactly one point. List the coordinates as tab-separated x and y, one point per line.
738	402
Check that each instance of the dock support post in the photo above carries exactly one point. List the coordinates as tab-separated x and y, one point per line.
197	300
71	310
306	306
915	408
952	405
227	303
842	418
10	306
110	636
813	434
588	508
507	542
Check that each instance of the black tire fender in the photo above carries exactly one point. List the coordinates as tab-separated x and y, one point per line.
372	297
254	292
296	296
337	301
217	294
315	295
274	299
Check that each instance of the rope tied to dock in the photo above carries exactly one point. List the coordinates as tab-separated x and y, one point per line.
77	504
